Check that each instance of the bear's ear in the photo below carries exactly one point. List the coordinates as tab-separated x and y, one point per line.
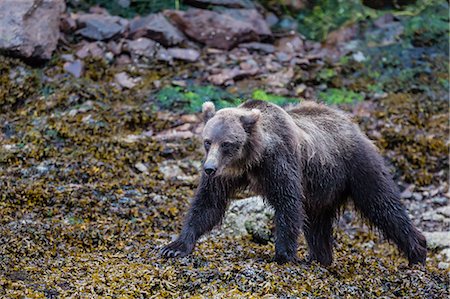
250	119
208	111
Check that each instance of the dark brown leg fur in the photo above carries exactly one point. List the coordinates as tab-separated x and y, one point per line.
206	211
377	198
318	231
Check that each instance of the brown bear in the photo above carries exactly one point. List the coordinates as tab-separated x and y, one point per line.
306	162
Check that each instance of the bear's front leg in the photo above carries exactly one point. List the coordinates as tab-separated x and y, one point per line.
281	185
206	211
288	219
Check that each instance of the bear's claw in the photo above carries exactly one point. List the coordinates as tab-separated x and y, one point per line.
175	249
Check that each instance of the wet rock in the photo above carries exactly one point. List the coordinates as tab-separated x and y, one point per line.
75	68
222	30
100	27
142	47
438	239
225	3
184	54
158	28
247	216
24	23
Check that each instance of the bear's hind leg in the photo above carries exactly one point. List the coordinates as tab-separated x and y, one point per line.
377	198
318	231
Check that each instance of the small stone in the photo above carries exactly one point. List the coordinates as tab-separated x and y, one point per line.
444	211
170	169
189	118
417	196
141	167
67	57
446	254
438	239
184	54
75	68
142	47
124	80
432	216
443	265
442	201
406	194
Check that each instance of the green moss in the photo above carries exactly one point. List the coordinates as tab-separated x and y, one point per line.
340	96
259	94
190	99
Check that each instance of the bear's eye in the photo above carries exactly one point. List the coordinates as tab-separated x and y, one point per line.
207	144
229	145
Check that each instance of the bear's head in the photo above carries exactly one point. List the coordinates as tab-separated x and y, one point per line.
228	138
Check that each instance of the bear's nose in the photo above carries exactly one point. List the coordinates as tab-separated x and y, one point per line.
209	167
210	170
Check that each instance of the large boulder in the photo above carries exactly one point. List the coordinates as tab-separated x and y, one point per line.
158	28
30	29
224	29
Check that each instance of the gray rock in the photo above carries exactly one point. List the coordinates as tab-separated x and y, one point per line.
432	216
247	216
158	28
438	239
222	30
170	169
417	196
142	47
184	54
440	200
444	211
100	27
30	29
124	80
446	254
75	68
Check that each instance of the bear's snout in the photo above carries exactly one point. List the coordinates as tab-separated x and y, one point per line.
210	168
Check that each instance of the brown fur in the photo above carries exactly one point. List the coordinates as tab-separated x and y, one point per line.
306	162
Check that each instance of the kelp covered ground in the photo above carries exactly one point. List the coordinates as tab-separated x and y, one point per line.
94	179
